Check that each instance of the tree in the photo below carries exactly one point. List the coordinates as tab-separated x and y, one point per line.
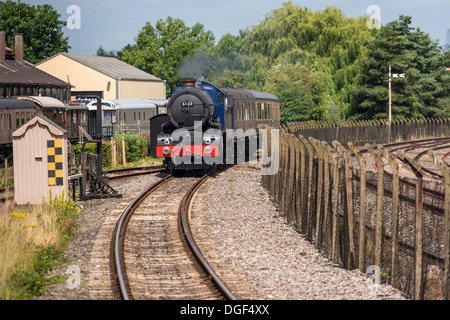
291	84
326	42
103	53
406	50
40	25
160	49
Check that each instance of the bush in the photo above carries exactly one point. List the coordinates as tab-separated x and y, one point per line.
136	145
32	243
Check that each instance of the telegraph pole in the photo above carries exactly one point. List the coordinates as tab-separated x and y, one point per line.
390	96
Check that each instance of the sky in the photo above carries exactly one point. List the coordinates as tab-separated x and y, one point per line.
113	24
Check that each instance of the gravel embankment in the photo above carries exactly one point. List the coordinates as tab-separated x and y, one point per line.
278	262
250	234
90	249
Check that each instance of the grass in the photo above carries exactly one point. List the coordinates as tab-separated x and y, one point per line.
32	243
145	162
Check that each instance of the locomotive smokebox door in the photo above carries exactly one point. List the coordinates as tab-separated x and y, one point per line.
40	161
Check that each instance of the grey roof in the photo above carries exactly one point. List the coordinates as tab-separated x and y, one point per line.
25	73
111	67
263	95
133	104
16	104
44	102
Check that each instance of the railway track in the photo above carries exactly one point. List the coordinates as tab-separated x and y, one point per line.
131	172
428	144
111	175
154	253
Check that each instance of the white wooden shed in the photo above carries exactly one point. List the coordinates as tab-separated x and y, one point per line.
40	161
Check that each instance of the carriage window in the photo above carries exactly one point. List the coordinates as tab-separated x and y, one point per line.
135	116
28	116
246	111
22	118
144	115
139	115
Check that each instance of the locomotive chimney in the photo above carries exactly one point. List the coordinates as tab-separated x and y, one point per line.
19	47
2	46
189	82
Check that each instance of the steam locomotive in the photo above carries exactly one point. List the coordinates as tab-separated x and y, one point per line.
202	118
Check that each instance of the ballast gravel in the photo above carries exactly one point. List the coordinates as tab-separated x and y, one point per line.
249	233
277	262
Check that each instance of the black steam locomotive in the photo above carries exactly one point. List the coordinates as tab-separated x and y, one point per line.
202	117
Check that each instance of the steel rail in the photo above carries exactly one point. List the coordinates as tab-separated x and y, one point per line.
184	222
133	169
138	173
120	230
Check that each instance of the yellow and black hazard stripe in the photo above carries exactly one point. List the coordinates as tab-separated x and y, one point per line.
55	162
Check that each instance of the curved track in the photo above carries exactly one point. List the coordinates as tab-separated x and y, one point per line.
155	255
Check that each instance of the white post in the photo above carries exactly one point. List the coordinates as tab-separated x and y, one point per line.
390	96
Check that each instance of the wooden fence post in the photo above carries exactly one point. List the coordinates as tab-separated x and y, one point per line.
303	189
395	215
446	173
113	153
319	184
123	152
334	203
349	244
418	278
326	149
380	195
362	207
290	179
310	182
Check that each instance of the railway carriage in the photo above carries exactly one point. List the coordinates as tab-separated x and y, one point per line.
14	113
76	117
134	114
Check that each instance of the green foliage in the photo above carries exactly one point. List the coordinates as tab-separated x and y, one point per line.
136	147
309	59
92	148
40	25
321	64
409	51
33	280
67	213
136	144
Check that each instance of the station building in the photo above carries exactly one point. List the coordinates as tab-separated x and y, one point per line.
106	77
19	77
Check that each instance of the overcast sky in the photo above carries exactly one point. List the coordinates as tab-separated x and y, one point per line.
115	23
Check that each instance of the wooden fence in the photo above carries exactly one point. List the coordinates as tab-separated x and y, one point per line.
371	131
352	204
